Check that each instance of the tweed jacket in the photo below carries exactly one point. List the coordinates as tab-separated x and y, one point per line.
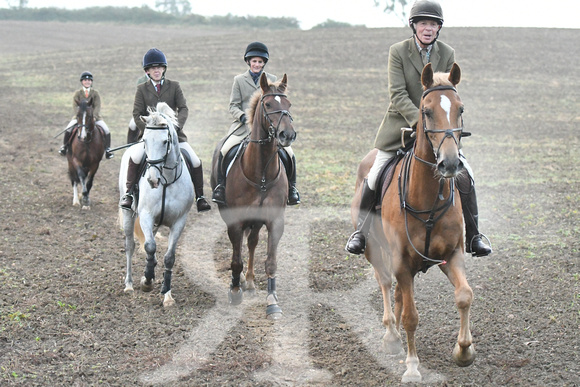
405	89
171	94
80	95
242	91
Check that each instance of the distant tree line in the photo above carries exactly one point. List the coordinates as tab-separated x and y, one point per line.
144	15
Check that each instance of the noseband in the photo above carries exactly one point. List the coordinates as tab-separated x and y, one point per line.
272	129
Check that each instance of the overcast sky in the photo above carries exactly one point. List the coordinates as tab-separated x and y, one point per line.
457	13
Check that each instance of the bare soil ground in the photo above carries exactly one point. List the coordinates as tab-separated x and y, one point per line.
64	319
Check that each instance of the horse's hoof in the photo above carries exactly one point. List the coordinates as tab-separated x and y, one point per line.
392	345
235	297
250	292
128	289
411	377
85	207
146	286
274	312
463	357
168	301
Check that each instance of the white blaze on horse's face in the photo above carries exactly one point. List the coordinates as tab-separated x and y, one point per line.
83	134
278	99
446	106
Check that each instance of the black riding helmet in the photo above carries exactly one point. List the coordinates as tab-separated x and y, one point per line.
426	9
86	75
154	58
256	49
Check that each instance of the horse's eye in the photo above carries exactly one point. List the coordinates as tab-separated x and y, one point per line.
461	109
268	104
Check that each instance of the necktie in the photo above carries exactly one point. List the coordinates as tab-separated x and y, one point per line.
86	94
425	56
158	88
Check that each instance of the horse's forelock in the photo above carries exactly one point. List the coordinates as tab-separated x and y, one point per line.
441	79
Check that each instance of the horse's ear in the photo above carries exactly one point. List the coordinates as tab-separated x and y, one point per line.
455	74
283	83
427	76
264	83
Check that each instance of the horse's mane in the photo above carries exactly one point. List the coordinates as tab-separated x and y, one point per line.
256	98
160	116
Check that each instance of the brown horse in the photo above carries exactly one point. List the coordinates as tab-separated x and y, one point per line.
85	153
422	223
257	189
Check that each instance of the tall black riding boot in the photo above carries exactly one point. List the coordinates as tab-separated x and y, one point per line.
132	178
63	149
357	242
108	153
473	242
219	192
290	166
197	179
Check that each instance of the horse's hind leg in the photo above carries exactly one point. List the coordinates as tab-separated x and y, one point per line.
128	227
169	260
253	239
464	351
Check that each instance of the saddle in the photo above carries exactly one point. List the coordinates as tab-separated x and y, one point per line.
386	174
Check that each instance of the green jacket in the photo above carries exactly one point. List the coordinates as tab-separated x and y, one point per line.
80	95
405	89
171	94
242	91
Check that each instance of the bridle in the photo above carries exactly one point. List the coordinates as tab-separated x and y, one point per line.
436	212
89	129
272	132
449	133
159	164
272	129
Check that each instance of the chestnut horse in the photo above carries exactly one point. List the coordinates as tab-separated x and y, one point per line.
85	153
257	189
422	222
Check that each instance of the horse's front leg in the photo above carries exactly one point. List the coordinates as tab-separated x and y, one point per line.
87	185
83	181
235	233
150	249
378	258
464	351
169	260
275	231
129	227
76	201
410	320
253	239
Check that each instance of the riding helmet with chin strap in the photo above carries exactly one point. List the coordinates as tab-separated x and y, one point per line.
86	75
426	9
154	58
256	49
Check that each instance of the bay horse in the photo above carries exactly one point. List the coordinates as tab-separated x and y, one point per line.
84	153
421	222
165	196
257	189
